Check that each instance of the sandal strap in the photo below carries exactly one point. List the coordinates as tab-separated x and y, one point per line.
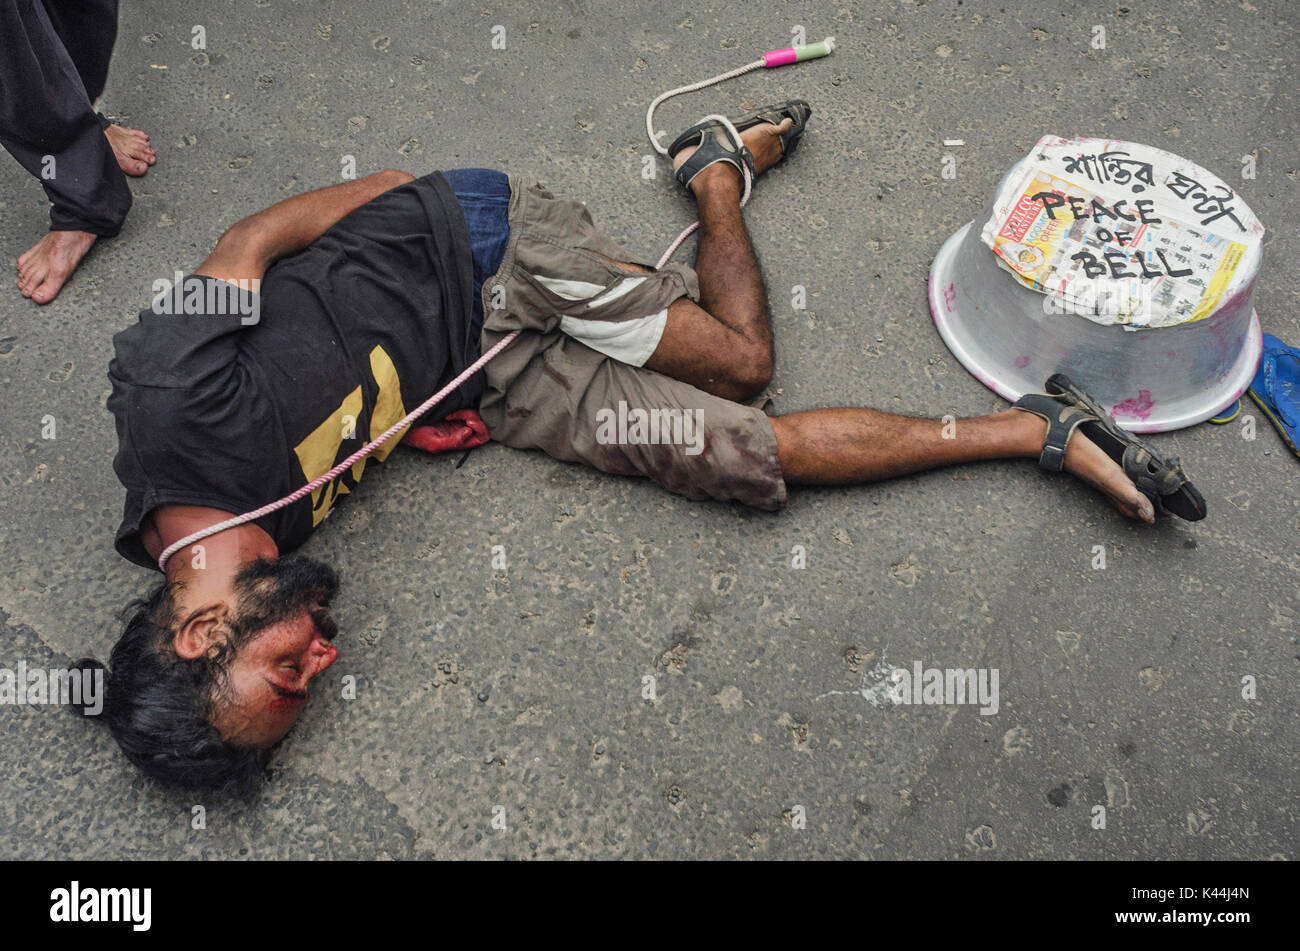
714	147
1062	420
797	109
1151	474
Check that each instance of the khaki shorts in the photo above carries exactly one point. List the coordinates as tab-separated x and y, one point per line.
550	391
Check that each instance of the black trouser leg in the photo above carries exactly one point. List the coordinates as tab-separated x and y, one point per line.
46	119
88	29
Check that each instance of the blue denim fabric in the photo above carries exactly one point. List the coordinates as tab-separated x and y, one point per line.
484	197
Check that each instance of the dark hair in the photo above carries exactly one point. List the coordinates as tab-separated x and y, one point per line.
158	705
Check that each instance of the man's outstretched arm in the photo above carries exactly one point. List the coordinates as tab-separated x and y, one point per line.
250	245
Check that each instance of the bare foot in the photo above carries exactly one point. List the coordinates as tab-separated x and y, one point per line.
43	270
131	148
1085	460
763	140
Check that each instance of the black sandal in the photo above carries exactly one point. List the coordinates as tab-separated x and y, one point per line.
797	109
715	144
1160	478
1066	407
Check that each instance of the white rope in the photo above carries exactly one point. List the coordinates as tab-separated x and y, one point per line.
726	124
664	97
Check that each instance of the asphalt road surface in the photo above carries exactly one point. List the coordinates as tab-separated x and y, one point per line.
517	697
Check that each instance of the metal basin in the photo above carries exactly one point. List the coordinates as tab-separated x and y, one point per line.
1012	336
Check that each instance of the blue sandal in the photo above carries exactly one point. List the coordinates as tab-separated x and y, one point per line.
1227	414
1276	388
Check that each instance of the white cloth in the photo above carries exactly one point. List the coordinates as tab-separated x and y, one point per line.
629	341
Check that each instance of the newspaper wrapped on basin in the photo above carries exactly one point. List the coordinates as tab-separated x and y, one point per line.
1122	233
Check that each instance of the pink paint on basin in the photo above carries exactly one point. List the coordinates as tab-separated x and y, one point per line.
1021	362
1135	408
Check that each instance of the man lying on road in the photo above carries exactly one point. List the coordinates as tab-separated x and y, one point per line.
375	293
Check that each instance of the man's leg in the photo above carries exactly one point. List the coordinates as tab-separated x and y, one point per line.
47	124
580	406
723	344
551	392
844	446
88	30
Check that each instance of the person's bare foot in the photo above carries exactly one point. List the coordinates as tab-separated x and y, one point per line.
131	148
763	140
1085	460
43	270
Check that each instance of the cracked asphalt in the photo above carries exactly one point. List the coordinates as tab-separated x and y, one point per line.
517	698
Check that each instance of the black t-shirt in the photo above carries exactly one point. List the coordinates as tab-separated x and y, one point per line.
352	333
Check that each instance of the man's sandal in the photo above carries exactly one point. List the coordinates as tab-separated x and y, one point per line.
715	145
1276	389
796	109
1066	407
1227	414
